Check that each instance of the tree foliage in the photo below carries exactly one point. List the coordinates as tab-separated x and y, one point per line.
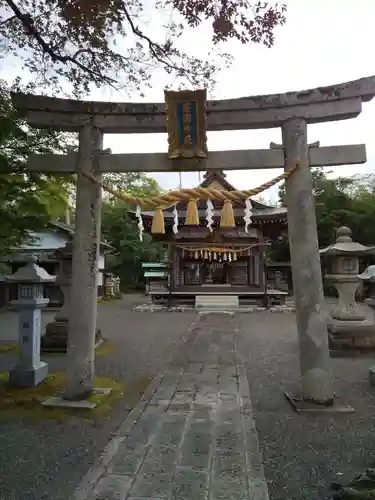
98	42
28	200
339	202
119	227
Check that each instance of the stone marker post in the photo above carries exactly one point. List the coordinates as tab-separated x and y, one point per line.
86	241
56	337
316	374
29	371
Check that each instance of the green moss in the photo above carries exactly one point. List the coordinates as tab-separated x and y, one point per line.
8	348
105	349
26	403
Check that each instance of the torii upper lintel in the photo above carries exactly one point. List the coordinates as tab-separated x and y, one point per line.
335	102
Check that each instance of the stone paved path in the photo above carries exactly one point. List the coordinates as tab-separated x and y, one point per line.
192	436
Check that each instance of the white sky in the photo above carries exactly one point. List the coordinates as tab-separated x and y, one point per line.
323	42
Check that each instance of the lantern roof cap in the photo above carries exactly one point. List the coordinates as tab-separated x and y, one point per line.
368	274
31	273
345	245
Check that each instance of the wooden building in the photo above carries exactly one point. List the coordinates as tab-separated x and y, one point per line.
226	261
43	245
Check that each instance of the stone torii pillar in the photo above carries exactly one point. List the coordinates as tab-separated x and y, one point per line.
316	374
86	242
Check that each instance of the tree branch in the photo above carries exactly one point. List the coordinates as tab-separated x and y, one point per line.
29	26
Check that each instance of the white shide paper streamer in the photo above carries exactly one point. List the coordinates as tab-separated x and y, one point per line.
209	214
248	214
140	222
175	220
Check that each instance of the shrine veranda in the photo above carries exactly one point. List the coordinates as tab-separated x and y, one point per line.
292	111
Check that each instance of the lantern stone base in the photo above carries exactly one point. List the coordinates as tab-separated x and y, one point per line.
28	377
351	338
55	339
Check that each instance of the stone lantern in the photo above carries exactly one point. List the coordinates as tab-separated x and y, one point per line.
30	280
56	336
369	276
346	320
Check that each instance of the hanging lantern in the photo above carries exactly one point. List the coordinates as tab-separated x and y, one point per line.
215	256
230	256
205	256
209	256
225	256
234	256
196	255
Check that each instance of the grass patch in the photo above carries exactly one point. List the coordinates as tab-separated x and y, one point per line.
26	403
8	348
105	349
107	298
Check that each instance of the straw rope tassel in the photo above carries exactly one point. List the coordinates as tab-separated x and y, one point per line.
227	215
192	217
158	222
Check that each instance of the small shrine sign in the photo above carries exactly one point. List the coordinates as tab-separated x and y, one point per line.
186	123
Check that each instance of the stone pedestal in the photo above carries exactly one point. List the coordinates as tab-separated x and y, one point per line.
56	336
55	339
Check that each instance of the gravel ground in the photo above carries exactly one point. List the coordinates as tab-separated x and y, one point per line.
47	460
304	454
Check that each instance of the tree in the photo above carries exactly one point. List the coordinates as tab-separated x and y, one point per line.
28	200
120	228
134	183
84	42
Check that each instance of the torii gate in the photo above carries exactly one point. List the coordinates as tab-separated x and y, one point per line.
291	111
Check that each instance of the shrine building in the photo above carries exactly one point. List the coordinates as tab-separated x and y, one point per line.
221	261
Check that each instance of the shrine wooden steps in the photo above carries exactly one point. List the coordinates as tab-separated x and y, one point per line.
217	302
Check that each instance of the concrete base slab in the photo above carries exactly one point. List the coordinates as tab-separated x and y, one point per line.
354	329
30	377
301	405
83	404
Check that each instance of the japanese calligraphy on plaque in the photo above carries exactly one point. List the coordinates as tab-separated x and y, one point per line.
186	123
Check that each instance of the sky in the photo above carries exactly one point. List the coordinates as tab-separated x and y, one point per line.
322	43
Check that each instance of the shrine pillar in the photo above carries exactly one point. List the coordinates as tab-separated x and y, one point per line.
316	374
83	313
